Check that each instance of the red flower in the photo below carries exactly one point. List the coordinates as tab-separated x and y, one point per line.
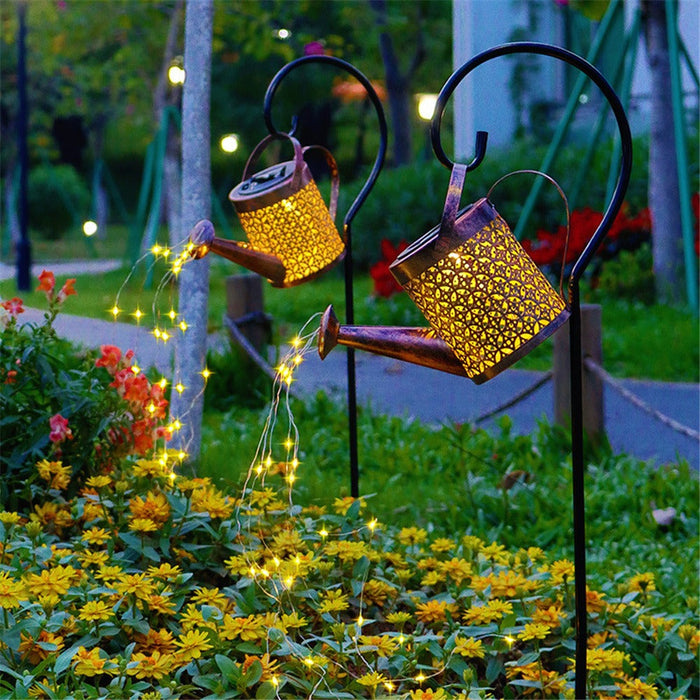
66	290
110	357
47	282
384	283
13	306
59	429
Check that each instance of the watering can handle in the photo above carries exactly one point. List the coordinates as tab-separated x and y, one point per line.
257	151
566	206
335	178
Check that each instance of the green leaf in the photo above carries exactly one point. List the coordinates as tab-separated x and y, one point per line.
252	675
228	668
63	660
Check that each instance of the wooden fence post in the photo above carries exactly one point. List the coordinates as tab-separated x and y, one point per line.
591	342
244	306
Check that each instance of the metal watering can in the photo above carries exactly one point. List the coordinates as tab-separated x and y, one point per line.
291	233
486	301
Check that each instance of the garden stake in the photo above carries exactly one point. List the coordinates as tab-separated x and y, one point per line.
469	272
347	225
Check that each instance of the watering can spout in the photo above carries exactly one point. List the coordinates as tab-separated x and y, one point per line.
204	239
420	346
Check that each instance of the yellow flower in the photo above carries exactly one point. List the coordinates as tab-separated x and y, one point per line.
158	603
456	569
155	665
533	630
376	592
292	621
551	682
341	505
635	688
399	619
442	544
89	663
508	584
155	640
89	558
268	667
606	660
348	551
412	535
154	507
52	516
595	601
96	535
286	543
98	482
642	583
385	645
150	467
12	592
494	552
210	596
36	650
54	581
164	570
109	573
428	694
57	476
192	644
137	585
211	501
247	629
372	679
561	571
481	615
469	647
551	616
434	611
333	601
432	578
143	525
472	543
9	517
95	610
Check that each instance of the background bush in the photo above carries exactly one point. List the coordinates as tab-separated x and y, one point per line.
58	198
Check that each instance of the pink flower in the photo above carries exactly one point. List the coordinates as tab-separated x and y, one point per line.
314	48
59	429
13	306
110	357
47	282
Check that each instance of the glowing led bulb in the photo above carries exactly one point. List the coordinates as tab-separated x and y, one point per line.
138	314
172	314
183	326
420	678
372	524
156	250
181	455
206	374
323	532
165	336
289	581
296	342
288	443
179	388
163	383
259	469
115	311
166	252
151	407
176	425
389	686
156	332
298	359
510	641
135	369
360	620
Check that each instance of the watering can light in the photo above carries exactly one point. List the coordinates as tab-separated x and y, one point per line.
487	302
292	237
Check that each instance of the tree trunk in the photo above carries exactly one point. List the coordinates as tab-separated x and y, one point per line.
664	198
190	355
398	85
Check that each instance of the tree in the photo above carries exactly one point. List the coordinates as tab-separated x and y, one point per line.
664	197
187	406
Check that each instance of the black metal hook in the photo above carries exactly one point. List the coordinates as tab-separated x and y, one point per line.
371	93
597	77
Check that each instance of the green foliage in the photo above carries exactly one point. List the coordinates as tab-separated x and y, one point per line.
629	276
512	488
59	405
58	199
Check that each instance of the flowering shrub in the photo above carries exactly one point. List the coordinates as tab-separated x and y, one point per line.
383	281
150	584
83	411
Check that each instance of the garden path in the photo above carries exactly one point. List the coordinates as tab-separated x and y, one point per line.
403	389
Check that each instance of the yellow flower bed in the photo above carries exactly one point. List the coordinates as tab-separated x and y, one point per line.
151	585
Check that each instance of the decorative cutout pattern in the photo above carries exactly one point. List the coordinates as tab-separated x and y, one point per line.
486	298
298	230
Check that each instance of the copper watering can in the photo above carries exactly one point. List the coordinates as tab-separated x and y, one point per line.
291	233
487	302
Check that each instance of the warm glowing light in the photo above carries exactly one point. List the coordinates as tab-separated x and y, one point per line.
181	455
402	639
89	228
135	369
296	342
265	573
179	387
268	461
283	33
151	408
229	143
309	661
360	620
372	524
259	469
323	532
298	359
166	252
138	314
165	336
510	640
290	478
115	311
176	75
294	463
162	384
388	685
426	105
183	326
206	373
252	571
156	250
156	332
289	581
172	314
175	425
275	681
420	678
289	443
